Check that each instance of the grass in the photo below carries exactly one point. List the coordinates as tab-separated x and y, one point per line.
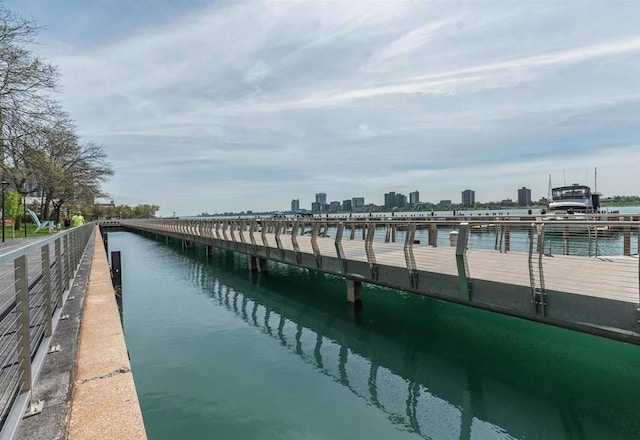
31	232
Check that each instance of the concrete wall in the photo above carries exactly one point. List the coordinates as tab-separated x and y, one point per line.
104	403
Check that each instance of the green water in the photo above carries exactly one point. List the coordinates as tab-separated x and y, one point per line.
218	353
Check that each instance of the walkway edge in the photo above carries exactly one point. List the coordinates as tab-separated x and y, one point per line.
104	402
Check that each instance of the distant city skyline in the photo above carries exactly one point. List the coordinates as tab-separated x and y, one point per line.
392	199
231	106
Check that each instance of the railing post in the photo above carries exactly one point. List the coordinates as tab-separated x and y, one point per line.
507	239
408	255
314	244
22	323
67	262
368	247
46	290
294	241
542	292
339	250
59	272
464	288
241	226
278	226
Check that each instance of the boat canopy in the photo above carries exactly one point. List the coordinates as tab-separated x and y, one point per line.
571	192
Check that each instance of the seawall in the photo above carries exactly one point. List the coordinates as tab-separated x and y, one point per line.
104	402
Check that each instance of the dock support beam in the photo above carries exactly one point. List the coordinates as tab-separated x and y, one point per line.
257	264
353	292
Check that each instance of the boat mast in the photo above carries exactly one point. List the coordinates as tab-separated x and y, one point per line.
549	189
595	180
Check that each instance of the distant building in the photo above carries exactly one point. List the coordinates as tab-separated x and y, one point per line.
315	207
401	201
468	197
414	198
334	206
357	203
446	204
321	198
295	205
524	197
346	205
390	199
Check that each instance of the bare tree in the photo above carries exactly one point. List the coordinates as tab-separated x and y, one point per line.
24	80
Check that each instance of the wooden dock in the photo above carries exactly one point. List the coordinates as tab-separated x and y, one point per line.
597	294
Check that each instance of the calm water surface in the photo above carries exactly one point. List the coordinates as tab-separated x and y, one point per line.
219	354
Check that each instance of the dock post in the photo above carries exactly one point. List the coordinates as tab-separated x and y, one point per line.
433	235
626	241
253	264
257	264
116	271
353	292
105	240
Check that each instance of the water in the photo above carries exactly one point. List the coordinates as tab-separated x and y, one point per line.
416	214
217	353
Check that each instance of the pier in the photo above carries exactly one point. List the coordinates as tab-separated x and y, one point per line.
586	280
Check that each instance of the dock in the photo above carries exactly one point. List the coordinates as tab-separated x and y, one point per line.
585	283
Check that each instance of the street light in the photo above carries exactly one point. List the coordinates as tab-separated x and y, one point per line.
4	186
24	210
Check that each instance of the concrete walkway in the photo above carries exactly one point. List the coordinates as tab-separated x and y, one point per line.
104	403
87	387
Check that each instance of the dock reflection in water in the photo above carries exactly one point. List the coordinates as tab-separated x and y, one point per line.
429	369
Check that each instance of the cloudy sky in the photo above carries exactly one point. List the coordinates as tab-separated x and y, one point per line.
226	106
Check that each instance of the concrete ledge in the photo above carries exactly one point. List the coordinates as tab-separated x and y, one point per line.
104	403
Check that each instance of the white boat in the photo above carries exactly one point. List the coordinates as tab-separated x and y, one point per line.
571	204
573	199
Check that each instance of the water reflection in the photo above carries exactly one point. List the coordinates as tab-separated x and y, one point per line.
438	370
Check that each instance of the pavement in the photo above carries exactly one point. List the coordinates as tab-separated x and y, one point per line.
87	387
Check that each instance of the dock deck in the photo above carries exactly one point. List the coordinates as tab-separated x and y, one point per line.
595	293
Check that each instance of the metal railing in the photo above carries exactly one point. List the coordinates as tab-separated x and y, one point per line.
34	285
524	251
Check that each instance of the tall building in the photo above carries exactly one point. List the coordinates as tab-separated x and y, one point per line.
334	206
390	199
468	197
401	201
357	203
295	205
321	198
315	207
346	205
524	196
414	198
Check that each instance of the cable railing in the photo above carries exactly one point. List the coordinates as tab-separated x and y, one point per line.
34	284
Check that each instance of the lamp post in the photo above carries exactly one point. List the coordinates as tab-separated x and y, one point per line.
4	186
24	210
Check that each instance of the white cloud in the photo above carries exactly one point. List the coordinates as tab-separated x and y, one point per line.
256	103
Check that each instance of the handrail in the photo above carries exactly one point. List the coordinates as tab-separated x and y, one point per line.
530	245
45	282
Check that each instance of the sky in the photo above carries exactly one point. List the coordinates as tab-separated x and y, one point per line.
215	106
